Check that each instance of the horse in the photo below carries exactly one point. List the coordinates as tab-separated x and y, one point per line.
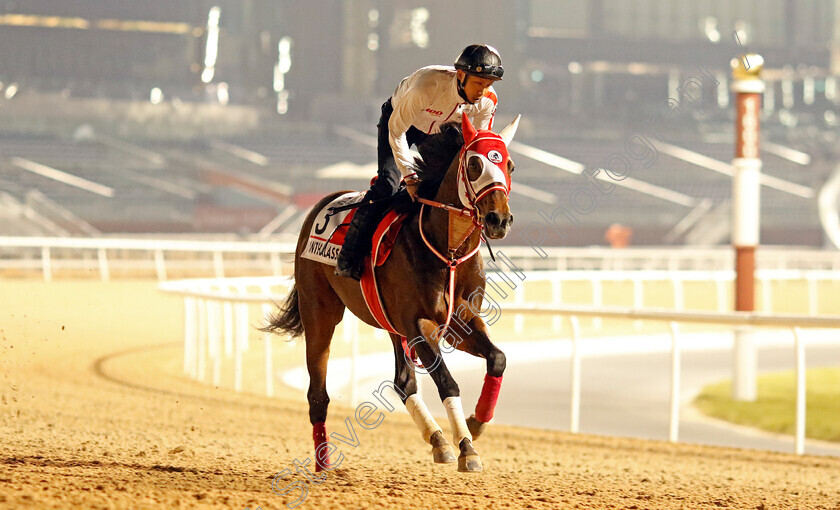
420	289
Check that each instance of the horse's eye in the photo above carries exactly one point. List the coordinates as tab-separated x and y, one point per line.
475	168
511	167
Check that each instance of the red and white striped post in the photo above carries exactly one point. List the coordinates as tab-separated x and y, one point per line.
746	192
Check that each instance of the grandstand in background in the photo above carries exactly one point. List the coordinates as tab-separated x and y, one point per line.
232	117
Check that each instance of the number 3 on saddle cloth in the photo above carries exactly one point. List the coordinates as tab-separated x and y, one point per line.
327	236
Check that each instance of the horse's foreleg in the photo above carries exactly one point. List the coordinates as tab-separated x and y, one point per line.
406	380
449	393
478	343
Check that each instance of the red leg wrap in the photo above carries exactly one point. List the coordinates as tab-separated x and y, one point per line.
487	401
319	435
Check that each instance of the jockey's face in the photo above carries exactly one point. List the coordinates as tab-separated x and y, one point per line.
474	87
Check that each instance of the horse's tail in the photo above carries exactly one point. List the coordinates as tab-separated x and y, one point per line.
287	318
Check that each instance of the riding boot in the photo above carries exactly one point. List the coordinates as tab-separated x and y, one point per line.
356	243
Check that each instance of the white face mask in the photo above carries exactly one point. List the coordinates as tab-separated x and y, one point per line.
491	152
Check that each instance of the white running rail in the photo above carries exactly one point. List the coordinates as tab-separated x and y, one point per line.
43	253
103	256
216	318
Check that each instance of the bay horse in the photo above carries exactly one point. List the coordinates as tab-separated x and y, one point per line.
420	289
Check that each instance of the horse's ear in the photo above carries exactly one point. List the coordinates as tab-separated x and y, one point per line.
510	130
467	128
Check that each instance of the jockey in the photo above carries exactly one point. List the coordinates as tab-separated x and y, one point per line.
422	102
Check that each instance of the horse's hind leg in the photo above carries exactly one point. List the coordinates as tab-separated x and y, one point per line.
406	381
320	311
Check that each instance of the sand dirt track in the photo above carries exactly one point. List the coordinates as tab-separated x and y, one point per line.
94	414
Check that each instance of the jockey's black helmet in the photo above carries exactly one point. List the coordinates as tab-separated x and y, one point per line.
481	60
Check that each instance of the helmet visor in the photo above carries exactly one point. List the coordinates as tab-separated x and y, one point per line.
494	72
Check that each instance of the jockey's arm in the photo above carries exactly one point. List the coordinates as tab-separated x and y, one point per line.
405	111
483	119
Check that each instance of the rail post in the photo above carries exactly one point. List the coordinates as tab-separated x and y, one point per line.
638	299
674	429
556	298
227	307
190	334
46	263
219	264
160	265
201	351
242	332
799	345
104	272
574	414
214	337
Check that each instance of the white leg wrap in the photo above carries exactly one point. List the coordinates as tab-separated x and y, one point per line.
456	419
421	416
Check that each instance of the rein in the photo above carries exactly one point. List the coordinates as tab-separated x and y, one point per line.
460	211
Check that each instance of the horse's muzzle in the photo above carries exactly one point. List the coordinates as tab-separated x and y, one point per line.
497	226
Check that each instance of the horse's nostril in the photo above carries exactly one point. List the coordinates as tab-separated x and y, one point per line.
510	220
493	219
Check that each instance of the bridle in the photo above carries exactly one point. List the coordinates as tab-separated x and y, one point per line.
485	146
489	180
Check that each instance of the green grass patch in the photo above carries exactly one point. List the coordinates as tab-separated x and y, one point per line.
775	408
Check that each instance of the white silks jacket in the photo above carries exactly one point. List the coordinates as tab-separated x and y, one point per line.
427	99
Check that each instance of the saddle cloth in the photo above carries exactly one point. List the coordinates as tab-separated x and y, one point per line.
328	231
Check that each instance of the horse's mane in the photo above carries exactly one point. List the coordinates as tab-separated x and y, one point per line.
437	151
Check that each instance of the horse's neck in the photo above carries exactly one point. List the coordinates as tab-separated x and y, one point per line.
437	226
448	191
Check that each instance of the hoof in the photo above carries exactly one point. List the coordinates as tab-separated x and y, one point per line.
476	427
468	461
441	450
